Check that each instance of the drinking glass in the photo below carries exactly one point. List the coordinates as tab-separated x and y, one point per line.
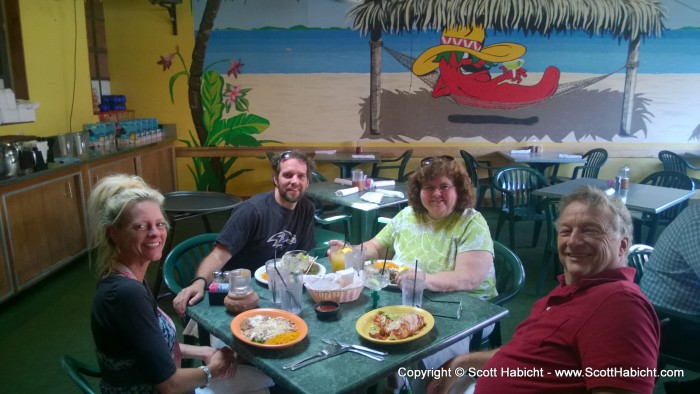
291	290
412	286
337	257
273	280
355	259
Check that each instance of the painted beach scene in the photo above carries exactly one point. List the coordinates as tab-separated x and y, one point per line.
314	79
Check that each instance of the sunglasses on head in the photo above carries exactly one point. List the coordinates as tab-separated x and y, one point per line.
430	159
286	155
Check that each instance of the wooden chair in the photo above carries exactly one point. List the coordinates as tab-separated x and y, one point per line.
675	162
400	166
516	184
510	279
595	159
481	184
671	179
78	371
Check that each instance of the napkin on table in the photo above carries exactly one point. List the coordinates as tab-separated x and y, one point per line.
372	197
362	156
390	182
326	152
566	156
520	151
342	181
391	193
347	192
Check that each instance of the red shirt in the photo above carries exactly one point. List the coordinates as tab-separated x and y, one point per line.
604	328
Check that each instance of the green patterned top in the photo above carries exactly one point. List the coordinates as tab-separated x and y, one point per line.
433	243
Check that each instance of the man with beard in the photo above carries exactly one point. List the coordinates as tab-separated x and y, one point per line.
280	220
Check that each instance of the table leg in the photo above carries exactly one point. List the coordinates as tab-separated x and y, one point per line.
345	169
363	225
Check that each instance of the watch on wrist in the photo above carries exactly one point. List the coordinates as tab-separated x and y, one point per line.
207	372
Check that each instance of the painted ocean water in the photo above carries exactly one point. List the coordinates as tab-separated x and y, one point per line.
346	51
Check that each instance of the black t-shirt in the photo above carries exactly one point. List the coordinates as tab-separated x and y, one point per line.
132	350
260	225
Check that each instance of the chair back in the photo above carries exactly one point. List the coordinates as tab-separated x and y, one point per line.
673	179
317	177
637	256
77	371
673	161
471	164
400	165
510	274
180	266
517	183
510	279
595	159
550	207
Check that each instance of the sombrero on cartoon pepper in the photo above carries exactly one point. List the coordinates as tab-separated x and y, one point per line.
469	40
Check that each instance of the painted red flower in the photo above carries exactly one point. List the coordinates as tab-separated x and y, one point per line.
166	61
232	93
235	68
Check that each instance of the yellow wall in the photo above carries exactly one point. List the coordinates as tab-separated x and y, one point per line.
138	33
58	77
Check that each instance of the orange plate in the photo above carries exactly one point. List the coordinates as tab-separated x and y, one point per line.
240	318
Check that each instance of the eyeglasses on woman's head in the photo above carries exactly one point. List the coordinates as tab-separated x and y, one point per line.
426	161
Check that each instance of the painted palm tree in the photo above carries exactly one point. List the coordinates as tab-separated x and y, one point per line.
630	20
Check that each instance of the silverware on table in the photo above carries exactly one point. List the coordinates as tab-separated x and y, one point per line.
331	350
358	347
322	353
350	348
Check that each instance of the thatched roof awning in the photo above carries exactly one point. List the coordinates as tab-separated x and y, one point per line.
622	19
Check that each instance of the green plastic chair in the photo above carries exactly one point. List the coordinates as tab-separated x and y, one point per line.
637	256
180	266
481	184
510	280
551	252
674	162
595	159
672	179
516	184
400	165
77	371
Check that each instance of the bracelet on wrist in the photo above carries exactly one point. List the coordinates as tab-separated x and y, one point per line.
207	372
196	278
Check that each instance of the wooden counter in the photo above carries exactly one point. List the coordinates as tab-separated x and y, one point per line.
44	221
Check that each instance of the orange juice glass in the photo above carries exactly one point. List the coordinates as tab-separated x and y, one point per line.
337	258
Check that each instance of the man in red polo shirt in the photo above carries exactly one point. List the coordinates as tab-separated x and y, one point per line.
595	332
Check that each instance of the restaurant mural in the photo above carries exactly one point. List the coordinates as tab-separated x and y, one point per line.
311	73
225	119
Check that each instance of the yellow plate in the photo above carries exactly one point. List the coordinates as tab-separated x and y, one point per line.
240	318
365	322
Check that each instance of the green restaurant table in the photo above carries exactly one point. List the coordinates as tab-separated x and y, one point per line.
347	161
348	372
364	214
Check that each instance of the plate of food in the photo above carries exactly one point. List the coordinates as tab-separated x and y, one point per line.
394	324
394	268
269	328
261	274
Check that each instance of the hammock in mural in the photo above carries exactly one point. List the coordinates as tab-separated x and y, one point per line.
431	79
